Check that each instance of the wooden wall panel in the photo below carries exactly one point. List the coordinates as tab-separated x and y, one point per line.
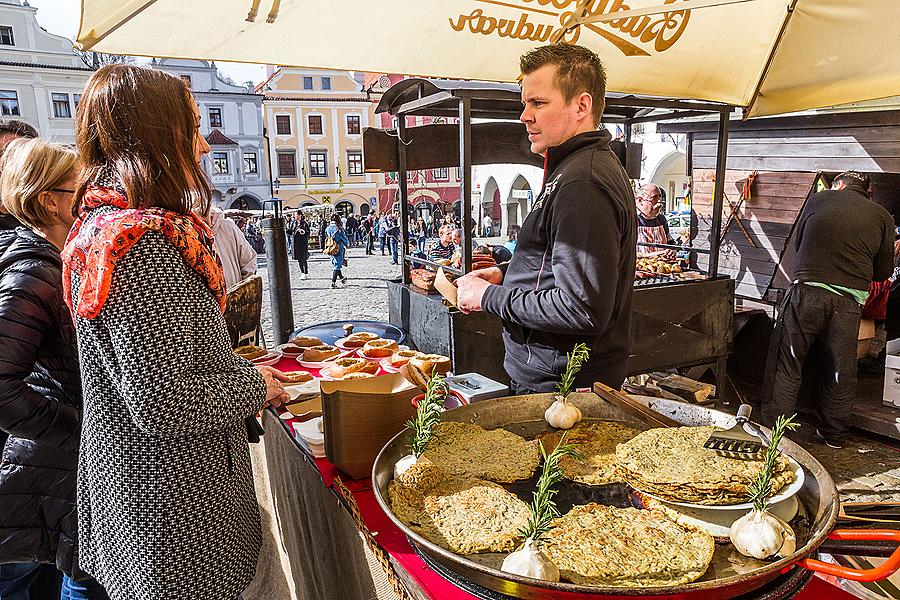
776	200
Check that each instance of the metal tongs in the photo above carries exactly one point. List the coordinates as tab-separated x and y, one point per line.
736	442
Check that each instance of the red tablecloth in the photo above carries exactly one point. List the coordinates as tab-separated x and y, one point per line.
394	542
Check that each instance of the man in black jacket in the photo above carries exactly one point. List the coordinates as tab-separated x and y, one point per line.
570	279
843	242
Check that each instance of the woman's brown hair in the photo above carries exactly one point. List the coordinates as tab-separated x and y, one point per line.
138	126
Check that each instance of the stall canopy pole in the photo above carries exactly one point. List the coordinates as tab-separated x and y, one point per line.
465	186
718	194
403	197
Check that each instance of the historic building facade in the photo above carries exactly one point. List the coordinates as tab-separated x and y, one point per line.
314	123
41	77
231	120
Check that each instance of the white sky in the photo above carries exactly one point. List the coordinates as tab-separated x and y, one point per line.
61	17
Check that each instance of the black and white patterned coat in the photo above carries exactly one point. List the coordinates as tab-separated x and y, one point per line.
166	505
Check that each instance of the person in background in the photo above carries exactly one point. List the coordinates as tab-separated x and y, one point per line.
421	233
369	233
412	249
443	248
393	236
382	231
166	504
652	226
301	245
571	278
40	386
351	223
487	226
237	256
843	241
457	239
512	232
337	233
323	225
11	129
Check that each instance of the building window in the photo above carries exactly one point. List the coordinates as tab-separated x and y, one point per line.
215	117
187	80
354	162
250	163
283	124
6	36
353	124
61	107
307	83
220	163
326	83
318	163
315	124
77	99
9	103
442	174
287	164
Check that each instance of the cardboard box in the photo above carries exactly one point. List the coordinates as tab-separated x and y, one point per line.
361	416
891	396
866	333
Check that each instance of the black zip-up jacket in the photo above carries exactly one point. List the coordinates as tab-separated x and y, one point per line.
570	279
40	402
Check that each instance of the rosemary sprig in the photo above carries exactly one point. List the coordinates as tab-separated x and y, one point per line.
761	488
543	509
428	413
576	358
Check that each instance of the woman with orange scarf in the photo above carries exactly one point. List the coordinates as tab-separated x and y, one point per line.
166	505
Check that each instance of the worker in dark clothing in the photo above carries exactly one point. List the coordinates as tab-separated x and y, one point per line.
843	242
570	279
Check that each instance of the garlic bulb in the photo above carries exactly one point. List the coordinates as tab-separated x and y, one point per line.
762	535
529	561
403	465
562	414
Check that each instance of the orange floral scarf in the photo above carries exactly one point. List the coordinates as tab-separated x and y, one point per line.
92	252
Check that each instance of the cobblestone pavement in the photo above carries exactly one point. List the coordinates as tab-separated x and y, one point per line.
364	297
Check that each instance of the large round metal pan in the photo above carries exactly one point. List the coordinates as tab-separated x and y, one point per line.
730	573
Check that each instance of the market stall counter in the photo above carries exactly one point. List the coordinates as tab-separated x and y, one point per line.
342	544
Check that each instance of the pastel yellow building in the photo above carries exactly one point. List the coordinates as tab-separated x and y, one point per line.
314	123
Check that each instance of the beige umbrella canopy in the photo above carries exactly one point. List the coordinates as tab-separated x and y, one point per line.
771	56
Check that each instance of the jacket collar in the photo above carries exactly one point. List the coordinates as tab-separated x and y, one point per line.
556	154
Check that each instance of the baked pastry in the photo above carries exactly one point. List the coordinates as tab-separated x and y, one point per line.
431	363
423	279
401	357
380	348
357	375
292	350
358	340
250	352
305	341
345	366
295	377
320	353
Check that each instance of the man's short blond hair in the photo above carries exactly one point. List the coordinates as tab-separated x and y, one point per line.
29	167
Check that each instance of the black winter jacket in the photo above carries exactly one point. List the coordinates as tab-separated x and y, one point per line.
570	279
40	401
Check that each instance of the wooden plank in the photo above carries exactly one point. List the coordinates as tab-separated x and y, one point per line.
876	165
761	214
790	148
809	136
703	190
763	176
875	118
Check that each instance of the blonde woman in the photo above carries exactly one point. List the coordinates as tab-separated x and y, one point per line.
40	387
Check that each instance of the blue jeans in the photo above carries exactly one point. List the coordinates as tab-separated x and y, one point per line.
393	243
16	580
82	590
383	240
421	244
